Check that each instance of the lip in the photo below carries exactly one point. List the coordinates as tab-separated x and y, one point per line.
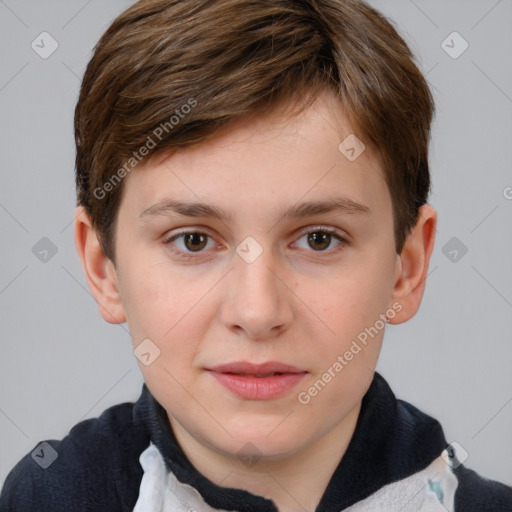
256	368
240	378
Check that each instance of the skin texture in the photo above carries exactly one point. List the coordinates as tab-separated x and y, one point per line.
298	303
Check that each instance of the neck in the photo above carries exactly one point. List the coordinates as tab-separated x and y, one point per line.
296	483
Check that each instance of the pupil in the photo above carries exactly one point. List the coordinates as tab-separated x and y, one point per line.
321	239
195	241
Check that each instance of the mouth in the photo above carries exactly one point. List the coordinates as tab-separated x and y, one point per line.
265	369
252	381
257	374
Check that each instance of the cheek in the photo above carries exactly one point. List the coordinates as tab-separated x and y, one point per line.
346	355
153	299
352	302
350	306
172	308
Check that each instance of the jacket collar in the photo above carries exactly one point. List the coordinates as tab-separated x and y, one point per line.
392	441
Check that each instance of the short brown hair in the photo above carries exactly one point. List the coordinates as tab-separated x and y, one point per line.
226	59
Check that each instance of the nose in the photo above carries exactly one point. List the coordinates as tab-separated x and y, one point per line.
258	302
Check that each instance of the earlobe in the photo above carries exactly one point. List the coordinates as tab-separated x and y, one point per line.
412	265
98	269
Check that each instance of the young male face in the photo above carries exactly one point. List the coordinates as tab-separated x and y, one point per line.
257	291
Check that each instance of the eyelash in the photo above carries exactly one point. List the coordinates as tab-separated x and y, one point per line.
191	254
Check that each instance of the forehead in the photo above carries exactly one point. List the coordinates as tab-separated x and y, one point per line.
272	161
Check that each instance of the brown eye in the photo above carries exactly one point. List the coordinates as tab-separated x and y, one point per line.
188	242
319	240
195	241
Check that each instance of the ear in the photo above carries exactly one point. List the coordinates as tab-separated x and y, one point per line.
99	270
412	265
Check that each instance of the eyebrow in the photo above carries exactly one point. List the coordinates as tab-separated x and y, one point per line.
306	209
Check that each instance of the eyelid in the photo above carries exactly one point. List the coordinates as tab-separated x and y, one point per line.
312	228
167	239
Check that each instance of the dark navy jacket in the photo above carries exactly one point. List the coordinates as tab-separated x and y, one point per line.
97	468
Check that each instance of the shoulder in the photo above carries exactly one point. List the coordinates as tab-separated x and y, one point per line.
473	493
93	468
478	494
417	434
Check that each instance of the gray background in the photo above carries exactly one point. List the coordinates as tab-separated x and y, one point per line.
61	363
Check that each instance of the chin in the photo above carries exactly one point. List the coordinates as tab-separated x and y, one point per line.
259	444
